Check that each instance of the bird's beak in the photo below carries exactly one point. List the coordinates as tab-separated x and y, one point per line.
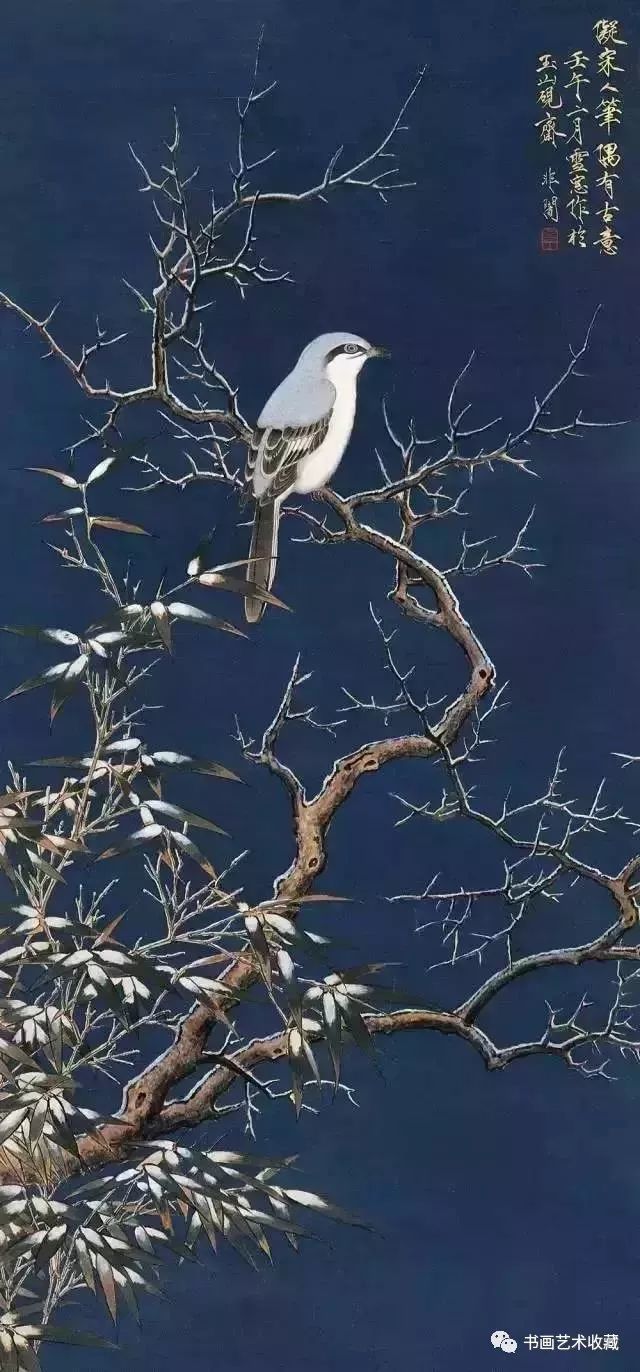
379	352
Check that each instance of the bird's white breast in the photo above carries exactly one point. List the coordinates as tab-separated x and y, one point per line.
318	467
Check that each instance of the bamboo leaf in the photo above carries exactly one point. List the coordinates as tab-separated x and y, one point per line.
50	1246
12	1122
258	941
121	525
331	1019
101	469
54	1334
62	514
37	1121
123	745
64	636
281	1209
45	867
164	807
67	684
221	582
11	1050
140	836
64	477
291	985
194	615
108	930
356	1026
188	846
194	764
56	762
295	1055
311	1201
59	843
12	797
44	678
162	622
195	563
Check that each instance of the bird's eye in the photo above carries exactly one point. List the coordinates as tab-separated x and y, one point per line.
352	348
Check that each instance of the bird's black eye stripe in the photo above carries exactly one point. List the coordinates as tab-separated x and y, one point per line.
349	348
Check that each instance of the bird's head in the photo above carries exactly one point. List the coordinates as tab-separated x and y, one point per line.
340	355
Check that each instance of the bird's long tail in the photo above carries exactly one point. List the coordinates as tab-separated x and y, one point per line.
263	555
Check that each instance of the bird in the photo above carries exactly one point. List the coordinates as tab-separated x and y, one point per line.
298	442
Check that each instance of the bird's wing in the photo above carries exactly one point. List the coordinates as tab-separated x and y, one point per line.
275	455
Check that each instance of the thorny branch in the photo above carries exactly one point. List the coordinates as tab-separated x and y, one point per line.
192	258
449	733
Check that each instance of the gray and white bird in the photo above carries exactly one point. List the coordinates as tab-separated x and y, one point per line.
299	441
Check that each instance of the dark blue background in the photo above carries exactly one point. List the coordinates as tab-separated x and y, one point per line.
504	1201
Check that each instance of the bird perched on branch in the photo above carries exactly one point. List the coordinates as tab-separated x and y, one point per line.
299	441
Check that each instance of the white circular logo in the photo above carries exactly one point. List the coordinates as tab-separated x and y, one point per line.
500	1339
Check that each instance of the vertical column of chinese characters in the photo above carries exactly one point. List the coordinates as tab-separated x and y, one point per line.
577	154
608	116
550	99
